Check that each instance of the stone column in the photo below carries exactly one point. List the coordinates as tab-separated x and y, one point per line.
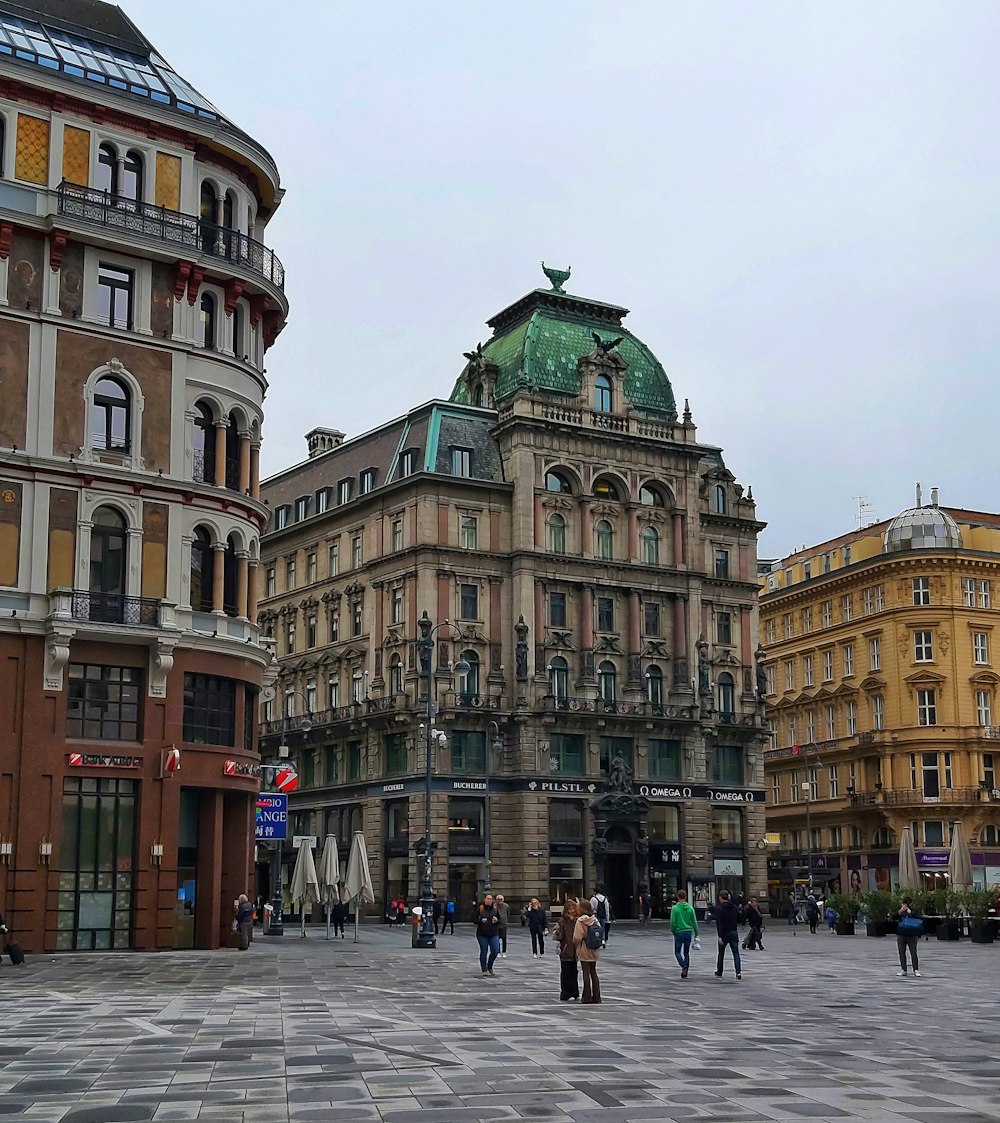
633	534
255	472
220	453
252	593
242	583
678	539
218	576
244	462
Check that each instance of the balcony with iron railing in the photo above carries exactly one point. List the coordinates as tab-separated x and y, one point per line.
573	703
915	797
186	231
114	608
354	711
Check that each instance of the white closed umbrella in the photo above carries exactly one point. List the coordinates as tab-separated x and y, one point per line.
358	879
909	873
305	884
329	877
959	860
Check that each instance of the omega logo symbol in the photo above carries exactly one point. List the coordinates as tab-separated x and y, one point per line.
8	495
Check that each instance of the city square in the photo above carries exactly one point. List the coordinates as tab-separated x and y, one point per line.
819	1028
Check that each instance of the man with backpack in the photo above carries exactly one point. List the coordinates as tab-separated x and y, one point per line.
448	916
602	911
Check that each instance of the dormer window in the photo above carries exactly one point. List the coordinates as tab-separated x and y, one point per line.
719	500
367	481
603	394
461	462
345	489
281	516
301	508
407	462
323	500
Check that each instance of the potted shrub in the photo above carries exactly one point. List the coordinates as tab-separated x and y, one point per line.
952	904
877	904
846	907
934	910
977	905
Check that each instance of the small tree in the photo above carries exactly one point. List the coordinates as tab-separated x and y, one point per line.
877	904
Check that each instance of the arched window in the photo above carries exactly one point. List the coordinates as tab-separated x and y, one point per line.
233	453
719	500
229	605
203	461
209	210
606	489
477	396
650	546
110	416
883	839
357	687
239	342
727	694
557	534
228	211
654	686
990	836
602	394
396	675
132	176
208	321
607	682
202	571
106	173
469	685
605	540
556	481
651	497
559	679
108	565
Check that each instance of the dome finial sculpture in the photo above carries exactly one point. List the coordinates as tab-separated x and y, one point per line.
558	277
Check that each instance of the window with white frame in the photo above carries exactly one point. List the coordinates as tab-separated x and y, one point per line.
323	500
878	712
833	779
789	675
827	666
786	621
396	534
874	654
397	605
301	508
776	788
984	594
868	601
969	592
807	670
792	729
345	489
921	590
769	631
807	620
831	723
879	598
812	779
989	770
926	707
290	573
847	555
852	719
836	839
795	791
366	481
826	610
311	567
846	607
980	647
356	555
270	583
923	649
984	708
468	532
848	659
807	570
810	726
334	558
769	678
852	775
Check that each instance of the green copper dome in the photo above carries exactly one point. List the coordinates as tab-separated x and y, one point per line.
538	341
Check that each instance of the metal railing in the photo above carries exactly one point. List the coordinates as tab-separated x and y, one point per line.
576	704
914	797
369	707
137	218
114	608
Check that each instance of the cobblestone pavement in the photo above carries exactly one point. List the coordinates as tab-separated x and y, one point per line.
294	1030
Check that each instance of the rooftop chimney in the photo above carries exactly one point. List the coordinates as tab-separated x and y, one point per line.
919	496
323	440
934	496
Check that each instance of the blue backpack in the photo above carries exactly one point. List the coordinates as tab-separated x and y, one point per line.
594	938
450	907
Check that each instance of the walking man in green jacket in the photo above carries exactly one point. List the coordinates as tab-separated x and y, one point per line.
684	925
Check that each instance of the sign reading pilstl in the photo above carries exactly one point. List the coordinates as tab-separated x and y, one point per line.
272	816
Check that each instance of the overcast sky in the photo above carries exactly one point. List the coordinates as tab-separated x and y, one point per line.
798	202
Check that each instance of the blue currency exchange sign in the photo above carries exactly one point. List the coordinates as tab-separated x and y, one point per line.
272	816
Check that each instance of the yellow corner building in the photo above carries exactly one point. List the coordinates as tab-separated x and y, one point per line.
880	670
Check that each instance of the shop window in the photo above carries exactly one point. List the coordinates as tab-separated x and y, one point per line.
664	824
103	703
565	821
397	819
465	818
209	710
727	827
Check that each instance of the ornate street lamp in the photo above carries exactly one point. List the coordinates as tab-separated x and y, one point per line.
492	729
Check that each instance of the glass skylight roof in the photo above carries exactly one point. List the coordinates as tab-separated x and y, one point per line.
117	69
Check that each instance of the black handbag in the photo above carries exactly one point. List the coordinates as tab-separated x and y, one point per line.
15	953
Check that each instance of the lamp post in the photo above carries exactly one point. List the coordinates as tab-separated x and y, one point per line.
807	788
425	937
270	770
492	729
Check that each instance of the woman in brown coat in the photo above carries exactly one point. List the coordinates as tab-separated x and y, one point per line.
562	933
587	956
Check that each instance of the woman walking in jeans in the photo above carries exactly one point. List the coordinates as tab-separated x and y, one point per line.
684	925
488	934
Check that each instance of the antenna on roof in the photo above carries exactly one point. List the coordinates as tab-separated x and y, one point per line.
866	512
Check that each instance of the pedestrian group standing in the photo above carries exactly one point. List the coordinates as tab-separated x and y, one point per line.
587	952
562	933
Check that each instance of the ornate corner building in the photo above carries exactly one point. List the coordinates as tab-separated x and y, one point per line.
881	683
591	564
137	300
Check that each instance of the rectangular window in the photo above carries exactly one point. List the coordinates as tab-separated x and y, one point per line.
923	651
723	627
792	730
848	659
271	583
356	555
868	600
852	719
357	618
367	481
810	726
334	625
926	707
812	778
310	631
874	654
831	723
301	508
980	647
557	610
879	601
290	574
664	759
833	779
468	752
846	607
789	675
836	839
795	791
921	590
969	591
605	614
353	760
984	594
722	564
289	637
934	833
727	766
397	606
826	609
311	566
333	693
566	751
930	775
984	711
878	712
827	563
769	631
461	462
396	535
115	289
394	747
334	558
852	776
407	463
807	620
345	489
209	710
282	515
947	769
989	770
776	788
827	666
786	623
769	678
323	500
847	555
807	570
651	617
468	607
468	532
104	703
807	670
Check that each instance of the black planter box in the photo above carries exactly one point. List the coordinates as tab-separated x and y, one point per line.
931	925
949	929
844	927
875	928
890	927
982	932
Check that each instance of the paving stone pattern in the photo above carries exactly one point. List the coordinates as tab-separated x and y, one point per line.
295	1030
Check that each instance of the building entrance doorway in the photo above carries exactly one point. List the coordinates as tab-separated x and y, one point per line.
463	887
619	872
187	863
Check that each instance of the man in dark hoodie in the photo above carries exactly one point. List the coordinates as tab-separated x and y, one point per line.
488	934
727	924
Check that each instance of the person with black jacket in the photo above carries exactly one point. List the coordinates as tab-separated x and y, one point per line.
909	937
537	923
755	921
244	920
727	923
488	934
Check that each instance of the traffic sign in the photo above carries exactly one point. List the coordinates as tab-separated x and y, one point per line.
272	817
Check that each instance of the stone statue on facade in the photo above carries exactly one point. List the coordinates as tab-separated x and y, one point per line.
704	669
425	644
619	776
521	648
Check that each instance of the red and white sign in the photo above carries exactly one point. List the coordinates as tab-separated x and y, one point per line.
95	760
239	768
171	761
286	779
796	750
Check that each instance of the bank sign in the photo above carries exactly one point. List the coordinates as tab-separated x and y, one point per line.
272	817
